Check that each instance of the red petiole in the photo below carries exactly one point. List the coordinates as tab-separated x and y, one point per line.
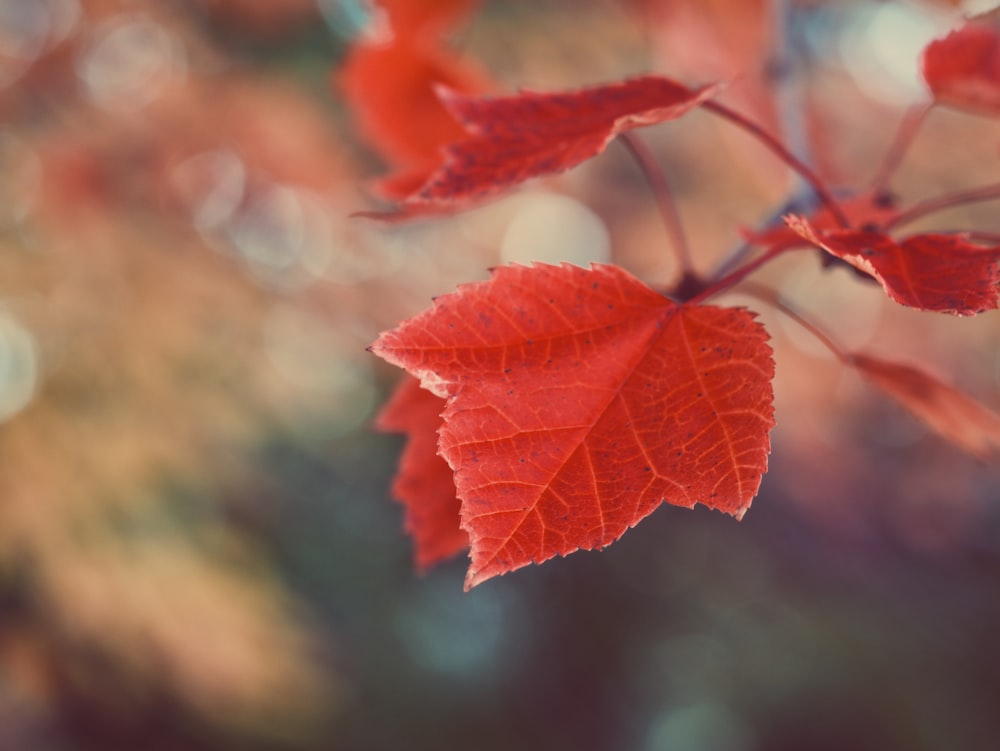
778	148
657	180
949	200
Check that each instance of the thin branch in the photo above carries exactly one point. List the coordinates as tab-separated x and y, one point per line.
909	126
663	195
948	200
772	143
744	249
772	297
788	95
984	237
737	276
732	261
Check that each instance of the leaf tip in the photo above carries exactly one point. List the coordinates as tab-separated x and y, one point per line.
477	575
800	225
739	513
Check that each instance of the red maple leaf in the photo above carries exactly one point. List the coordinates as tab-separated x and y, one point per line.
963	68
944	273
946	410
389	84
579	400
514	138
424	481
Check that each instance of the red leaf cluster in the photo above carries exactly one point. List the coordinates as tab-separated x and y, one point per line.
559	406
579	400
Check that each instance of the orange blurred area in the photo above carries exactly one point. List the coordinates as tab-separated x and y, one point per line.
198	544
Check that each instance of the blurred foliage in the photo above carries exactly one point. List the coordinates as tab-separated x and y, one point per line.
197	547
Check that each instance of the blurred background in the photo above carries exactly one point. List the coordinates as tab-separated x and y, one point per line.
198	545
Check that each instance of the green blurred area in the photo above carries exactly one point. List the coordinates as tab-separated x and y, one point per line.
198	548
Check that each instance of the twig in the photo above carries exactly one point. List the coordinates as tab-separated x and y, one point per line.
907	131
772	297
947	201
784	154
737	276
663	195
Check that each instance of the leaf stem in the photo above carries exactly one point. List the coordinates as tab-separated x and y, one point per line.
905	134
772	143
664	196
772	297
744	249
947	201
984	237
907	131
735	277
